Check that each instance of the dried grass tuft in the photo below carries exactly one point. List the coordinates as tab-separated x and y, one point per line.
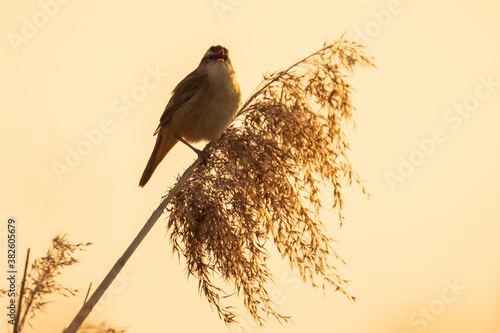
41	278
260	184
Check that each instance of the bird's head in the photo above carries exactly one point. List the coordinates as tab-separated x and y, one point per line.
216	54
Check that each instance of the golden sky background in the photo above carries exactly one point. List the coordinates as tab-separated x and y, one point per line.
422	253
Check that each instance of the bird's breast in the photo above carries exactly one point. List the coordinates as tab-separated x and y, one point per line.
212	108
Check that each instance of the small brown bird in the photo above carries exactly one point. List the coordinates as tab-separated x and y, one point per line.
202	106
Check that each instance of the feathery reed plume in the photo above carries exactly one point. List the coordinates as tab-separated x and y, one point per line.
40	280
260	184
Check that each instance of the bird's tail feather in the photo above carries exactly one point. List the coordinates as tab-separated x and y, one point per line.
162	146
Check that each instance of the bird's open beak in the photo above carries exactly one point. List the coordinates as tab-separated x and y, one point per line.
219	56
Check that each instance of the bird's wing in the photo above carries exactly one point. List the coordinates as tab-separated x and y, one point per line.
182	93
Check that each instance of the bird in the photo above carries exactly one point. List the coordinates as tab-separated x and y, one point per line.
200	108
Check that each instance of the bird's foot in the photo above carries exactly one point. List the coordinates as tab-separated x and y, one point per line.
203	154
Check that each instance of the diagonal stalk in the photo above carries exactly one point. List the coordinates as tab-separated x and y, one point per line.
110	277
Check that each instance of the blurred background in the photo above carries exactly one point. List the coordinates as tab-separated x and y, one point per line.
85	82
